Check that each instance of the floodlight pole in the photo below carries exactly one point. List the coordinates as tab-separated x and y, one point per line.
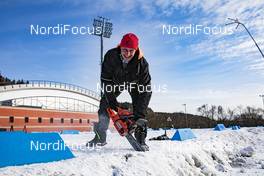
106	31
262	96
102	42
185	115
235	21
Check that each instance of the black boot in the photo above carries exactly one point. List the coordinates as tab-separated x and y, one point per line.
140	135
98	140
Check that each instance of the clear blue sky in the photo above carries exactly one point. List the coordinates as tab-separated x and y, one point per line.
197	69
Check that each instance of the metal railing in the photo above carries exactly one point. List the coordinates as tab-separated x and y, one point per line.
51	84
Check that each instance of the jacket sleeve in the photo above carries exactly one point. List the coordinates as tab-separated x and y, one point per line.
144	88
107	81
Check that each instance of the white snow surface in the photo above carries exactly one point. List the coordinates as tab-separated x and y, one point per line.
211	153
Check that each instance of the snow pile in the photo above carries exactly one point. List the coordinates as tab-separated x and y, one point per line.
247	152
228	152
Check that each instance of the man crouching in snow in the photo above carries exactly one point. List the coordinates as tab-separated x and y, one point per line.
124	65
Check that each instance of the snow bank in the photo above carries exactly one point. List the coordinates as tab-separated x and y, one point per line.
228	152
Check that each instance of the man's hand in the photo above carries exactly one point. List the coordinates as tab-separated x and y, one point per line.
113	105
141	122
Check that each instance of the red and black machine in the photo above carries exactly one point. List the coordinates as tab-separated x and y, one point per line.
125	124
123	120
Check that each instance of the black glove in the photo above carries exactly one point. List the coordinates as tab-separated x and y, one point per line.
140	122
113	105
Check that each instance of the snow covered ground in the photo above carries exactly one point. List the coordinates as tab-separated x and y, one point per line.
228	152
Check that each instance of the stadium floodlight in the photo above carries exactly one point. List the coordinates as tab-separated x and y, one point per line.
108	29
98	24
236	21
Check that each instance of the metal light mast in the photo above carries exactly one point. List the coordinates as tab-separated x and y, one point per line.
105	30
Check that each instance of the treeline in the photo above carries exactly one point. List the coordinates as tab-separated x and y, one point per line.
208	117
243	116
6	81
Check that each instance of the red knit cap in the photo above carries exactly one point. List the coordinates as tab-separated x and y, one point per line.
129	40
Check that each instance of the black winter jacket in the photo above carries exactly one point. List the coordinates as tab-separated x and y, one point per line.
133	77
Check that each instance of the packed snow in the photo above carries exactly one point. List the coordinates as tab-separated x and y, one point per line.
228	152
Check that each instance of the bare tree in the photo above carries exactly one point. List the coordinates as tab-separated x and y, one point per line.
250	112
231	113
203	110
212	112
220	112
260	112
240	109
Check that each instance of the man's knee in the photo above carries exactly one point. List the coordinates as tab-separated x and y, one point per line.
103	104
103	122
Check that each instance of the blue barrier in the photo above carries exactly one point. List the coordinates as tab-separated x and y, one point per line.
235	127
219	127
70	132
183	134
19	148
